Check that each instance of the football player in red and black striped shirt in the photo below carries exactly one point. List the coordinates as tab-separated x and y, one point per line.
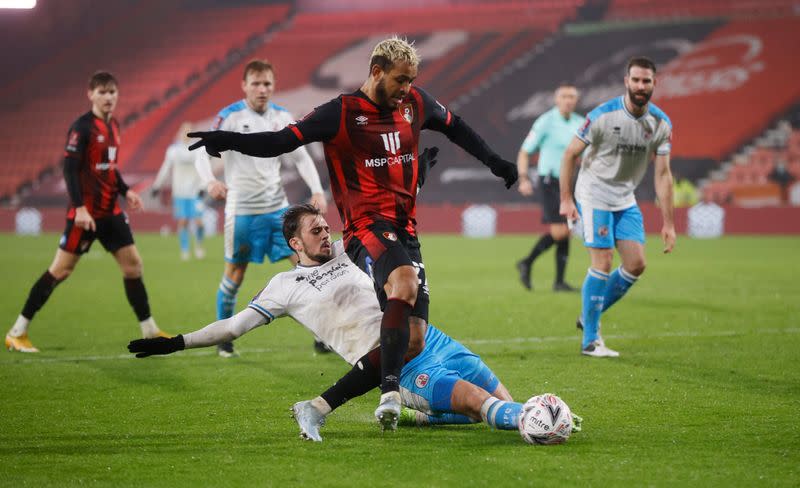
93	183
371	142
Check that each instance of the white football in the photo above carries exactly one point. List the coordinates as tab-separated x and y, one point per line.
545	419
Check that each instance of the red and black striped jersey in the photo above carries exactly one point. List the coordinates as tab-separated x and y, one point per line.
372	152
93	146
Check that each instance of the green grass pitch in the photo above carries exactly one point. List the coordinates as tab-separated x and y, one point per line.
704	394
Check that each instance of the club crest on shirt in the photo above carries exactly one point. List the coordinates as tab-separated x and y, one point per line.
407	111
422	380
390	236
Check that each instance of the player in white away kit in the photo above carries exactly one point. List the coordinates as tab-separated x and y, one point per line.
623	134
186	185
255	199
335	300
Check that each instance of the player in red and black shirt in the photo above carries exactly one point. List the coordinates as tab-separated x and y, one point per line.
93	183
371	140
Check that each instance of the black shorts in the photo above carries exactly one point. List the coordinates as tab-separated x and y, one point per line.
550	198
381	248
113	232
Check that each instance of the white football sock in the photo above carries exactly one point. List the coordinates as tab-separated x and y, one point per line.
321	405
487	404
149	328
20	327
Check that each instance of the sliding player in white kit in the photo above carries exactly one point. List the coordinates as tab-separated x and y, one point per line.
623	135
335	300
254	197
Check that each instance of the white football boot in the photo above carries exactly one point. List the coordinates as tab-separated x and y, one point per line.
388	410
309	419
597	349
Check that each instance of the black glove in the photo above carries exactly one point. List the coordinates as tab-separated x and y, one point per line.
502	168
157	345
427	160
215	141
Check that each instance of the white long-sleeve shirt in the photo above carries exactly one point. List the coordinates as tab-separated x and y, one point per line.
179	163
335	301
254	184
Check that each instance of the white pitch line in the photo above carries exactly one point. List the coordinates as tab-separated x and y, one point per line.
509	340
521	340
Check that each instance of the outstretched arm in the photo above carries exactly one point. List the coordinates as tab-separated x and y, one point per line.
464	137
440	119
320	125
225	330
260	144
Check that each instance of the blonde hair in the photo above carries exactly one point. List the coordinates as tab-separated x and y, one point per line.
393	50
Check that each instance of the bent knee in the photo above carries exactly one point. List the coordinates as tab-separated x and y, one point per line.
132	269
61	274
602	261
637	269
404	285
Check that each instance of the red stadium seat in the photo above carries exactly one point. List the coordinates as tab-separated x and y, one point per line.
148	58
646	9
520	24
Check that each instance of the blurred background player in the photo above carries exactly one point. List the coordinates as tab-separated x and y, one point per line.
187	204
254	196
623	134
93	184
371	139
550	135
446	383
